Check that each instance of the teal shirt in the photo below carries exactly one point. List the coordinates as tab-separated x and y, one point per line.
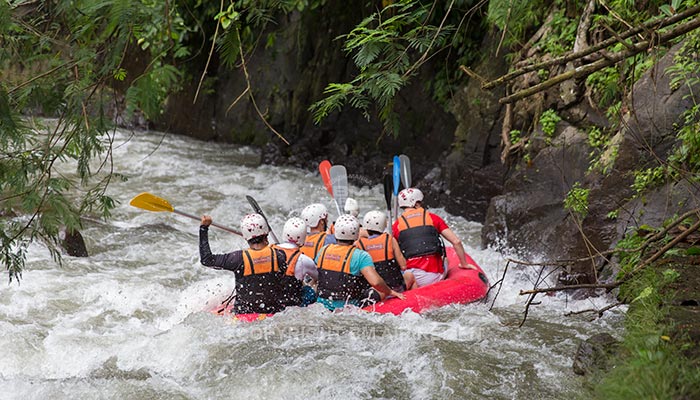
359	261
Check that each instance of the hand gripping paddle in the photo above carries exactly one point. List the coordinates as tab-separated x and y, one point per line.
259	210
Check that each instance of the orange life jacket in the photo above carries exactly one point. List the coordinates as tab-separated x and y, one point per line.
335	282
292	257
313	244
258	290
381	249
292	287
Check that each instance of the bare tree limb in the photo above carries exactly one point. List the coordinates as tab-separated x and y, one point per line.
603	63
505	28
211	51
250	92
600	312
581	41
500	285
505	132
608	286
472	74
531	299
653	24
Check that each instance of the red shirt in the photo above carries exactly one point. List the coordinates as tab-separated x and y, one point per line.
429	263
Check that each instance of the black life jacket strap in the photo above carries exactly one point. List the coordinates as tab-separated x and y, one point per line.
250	261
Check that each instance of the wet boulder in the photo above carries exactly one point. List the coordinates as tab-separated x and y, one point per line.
594	354
73	243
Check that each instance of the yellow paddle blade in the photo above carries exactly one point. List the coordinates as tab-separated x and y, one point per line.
151	202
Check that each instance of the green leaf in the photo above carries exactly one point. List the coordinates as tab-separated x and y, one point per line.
644	294
693	251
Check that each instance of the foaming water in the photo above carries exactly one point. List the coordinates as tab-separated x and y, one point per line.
127	322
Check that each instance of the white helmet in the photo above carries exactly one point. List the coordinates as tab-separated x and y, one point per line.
294	231
347	227
253	225
352	207
374	221
409	197
313	214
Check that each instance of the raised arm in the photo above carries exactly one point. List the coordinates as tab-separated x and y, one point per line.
229	261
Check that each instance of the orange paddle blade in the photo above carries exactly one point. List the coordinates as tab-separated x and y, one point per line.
325	169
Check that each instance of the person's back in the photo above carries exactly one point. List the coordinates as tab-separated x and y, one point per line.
382	248
346	273
299	266
316	218
420	234
258	270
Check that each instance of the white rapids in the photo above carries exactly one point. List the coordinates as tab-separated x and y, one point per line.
127	322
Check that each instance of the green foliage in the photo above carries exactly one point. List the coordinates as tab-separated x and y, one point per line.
61	61
515	17
670	9
515	136
576	201
605	86
388	47
243	21
684	72
648	353
596	137
648	178
562	35
549	120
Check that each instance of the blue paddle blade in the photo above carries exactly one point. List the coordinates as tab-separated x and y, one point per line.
397	174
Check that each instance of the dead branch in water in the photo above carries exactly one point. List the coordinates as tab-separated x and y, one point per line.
608	286
600	312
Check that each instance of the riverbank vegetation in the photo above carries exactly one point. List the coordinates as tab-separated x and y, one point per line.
656	358
93	65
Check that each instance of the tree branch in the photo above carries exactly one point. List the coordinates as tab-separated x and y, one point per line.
603	63
654	24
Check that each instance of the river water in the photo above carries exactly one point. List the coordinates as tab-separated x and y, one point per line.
127	322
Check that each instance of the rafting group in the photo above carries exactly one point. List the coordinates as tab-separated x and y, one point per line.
348	263
389	267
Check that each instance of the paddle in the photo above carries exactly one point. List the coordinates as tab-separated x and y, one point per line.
405	170
339	182
324	168
150	202
387	195
397	181
397	174
259	210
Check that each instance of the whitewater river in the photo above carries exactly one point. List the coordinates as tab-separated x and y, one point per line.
127	322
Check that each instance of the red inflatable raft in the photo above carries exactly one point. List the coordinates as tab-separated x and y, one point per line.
461	286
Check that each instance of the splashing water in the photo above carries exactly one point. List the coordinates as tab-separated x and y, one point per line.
127	322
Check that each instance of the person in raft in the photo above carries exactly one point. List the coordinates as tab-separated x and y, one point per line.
258	269
299	266
316	218
385	252
418	232
346	274
352	207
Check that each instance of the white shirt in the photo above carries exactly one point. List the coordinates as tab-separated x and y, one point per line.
305	265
